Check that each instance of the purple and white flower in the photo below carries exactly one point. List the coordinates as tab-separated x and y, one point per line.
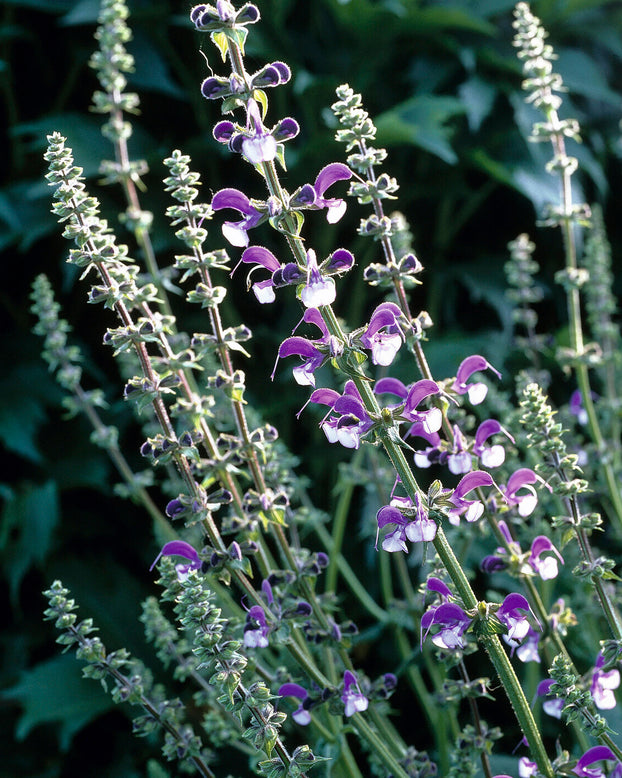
256	629
183	549
603	684
312	352
475	391
551	705
312	195
513	614
301	715
453	623
347	421
318	290
525	502
353	699
411	522
413	395
472	510
546	566
237	232
383	335
593	755
490	456
526	767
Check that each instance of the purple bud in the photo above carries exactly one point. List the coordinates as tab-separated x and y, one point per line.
492	564
224	131
286	129
174	508
322	559
267	76
305	196
196	12
213	88
284	72
248	14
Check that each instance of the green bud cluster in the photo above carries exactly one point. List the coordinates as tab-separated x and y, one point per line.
132	683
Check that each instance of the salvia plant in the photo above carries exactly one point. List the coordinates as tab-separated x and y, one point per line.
495	601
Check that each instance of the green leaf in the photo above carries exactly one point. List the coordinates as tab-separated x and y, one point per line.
583	76
219	39
28	522
54	691
421	121
478	97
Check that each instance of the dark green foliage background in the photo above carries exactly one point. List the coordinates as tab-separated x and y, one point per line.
443	84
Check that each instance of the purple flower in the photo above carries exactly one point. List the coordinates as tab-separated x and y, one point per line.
546	567
552	705
262	257
510	613
490	456
236	232
603	684
413	395
351	421
206	18
459	461
261	145
522	479
528	649
426	457
318	290
353	699
475	391
256	629
411	522
183	549
301	715
453	623
472	509
590	757
526	767
312	196
312	352
312	358
383	335
577	408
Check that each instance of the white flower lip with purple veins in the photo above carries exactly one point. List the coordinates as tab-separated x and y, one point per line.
476	391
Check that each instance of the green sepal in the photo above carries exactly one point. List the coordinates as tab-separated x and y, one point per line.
219	39
262	98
